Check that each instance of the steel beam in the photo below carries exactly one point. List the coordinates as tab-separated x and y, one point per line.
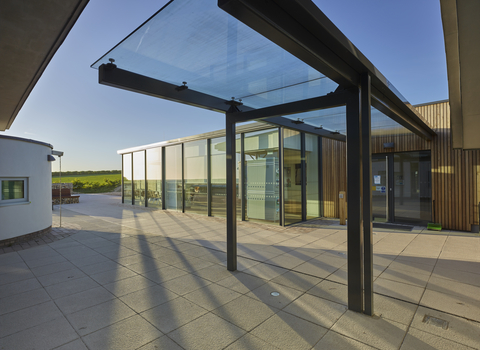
312	104
231	192
288	123
354	190
110	75
365	113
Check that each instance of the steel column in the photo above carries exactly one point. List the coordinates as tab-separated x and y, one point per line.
164	185
231	193
281	189
132	182
183	181
123	175
242	175
365	103
209	177
303	165
354	190
146	183
320	175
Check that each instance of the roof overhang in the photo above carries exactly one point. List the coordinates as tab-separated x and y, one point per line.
159	55
461	29
302	29
31	33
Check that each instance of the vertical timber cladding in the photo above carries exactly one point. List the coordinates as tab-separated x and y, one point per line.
455	173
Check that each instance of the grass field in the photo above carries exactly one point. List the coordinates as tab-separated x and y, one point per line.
87	178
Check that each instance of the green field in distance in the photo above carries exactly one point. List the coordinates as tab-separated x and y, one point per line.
87	178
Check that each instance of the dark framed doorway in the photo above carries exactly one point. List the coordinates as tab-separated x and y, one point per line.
402	187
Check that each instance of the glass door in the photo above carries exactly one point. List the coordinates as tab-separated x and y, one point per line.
380	189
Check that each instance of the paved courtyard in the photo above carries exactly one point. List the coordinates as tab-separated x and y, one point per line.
122	277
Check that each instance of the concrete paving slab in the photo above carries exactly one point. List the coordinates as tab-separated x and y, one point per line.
74	345
248	342
316	310
173	314
297	280
286	331
212	296
61	276
69	287
130	333
376	331
45	336
19	287
245	312
418	340
242	282
79	301
99	316
162	343
216	333
285	296
185	284
408	292
148	298
332	291
458	329
23	300
333	340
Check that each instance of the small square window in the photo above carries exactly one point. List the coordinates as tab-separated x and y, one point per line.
13	190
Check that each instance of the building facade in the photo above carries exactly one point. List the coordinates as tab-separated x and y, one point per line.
285	176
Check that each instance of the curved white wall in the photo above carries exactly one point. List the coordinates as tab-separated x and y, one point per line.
26	158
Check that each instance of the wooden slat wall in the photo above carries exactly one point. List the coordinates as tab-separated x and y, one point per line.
334	175
455	183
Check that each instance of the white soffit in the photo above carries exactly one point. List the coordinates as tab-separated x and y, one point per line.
461	28
30	34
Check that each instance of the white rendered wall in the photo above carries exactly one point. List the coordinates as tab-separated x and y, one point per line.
28	160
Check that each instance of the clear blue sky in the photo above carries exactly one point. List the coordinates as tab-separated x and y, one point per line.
90	122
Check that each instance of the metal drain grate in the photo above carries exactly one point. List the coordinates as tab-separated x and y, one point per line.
434	321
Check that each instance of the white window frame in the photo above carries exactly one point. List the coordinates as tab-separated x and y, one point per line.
18	200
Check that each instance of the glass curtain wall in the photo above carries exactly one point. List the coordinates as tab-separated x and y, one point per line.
311	159
292	176
173	177
196	177
261	181
219	177
154	177
412	186
127	178
139	177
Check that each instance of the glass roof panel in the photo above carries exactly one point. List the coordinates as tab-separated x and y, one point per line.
197	42
333	119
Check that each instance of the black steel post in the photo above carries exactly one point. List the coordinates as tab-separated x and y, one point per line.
209	177
123	176
242	175
146	183
164	181
231	192
132	182
281	189
303	165
354	191
365	103
183	180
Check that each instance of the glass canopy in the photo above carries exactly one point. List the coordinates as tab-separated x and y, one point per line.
196	42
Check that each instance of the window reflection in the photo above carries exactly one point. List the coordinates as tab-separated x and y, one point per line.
262	176
154	177
196	177
139	177
127	178
292	176
173	177
311	158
